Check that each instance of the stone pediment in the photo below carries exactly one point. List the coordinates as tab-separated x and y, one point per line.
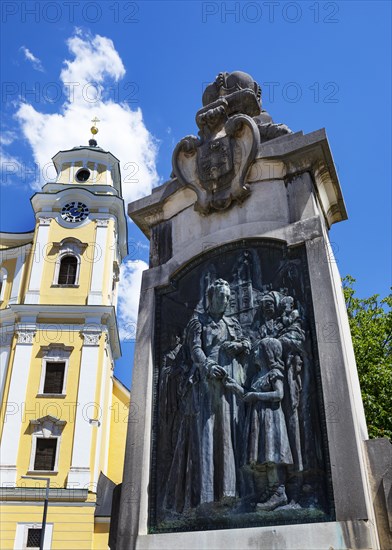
48	425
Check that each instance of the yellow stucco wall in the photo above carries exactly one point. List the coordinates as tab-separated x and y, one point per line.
50	294
101	536
59	407
73	526
60	295
118	432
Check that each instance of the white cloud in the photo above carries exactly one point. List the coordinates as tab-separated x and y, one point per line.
95	68
37	64
95	59
128	297
7	137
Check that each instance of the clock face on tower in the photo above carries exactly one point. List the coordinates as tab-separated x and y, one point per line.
74	212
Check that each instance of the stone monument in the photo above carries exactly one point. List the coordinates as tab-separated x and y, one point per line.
247	427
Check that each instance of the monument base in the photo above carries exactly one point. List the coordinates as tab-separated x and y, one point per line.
328	536
249	429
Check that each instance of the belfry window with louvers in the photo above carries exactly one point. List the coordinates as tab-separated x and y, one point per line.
249	411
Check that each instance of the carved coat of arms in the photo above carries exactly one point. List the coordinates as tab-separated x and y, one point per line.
215	164
215	161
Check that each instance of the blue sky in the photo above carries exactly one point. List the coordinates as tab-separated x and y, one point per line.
141	68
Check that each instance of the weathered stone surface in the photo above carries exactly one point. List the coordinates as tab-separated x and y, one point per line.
379	452
323	536
284	160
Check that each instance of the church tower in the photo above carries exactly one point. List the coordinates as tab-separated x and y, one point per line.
62	407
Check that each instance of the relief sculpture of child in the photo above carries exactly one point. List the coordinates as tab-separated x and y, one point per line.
268	448
268	445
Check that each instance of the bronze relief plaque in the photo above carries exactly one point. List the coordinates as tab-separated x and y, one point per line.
239	436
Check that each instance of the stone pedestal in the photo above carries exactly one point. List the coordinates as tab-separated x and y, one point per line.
252	211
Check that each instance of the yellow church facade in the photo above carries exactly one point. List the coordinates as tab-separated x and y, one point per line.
63	413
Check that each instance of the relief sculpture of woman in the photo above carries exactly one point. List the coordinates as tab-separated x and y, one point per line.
204	464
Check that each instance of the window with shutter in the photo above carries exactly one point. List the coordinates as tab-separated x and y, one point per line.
54	377
68	270
45	454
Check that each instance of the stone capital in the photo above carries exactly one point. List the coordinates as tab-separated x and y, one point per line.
102	222
91	337
44	220
25	335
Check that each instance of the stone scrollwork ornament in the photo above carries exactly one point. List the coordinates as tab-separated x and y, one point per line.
232	125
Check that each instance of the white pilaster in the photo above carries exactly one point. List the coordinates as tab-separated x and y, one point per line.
108	422
15	403
110	260
79	475
32	295
95	296
5	349
103	424
20	262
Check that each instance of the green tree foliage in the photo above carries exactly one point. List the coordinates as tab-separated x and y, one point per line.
371	329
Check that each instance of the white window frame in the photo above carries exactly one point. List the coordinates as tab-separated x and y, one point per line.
47	427
58	266
53	354
21	534
34	450
68	247
3	279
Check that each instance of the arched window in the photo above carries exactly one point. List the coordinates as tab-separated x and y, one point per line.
68	263
68	270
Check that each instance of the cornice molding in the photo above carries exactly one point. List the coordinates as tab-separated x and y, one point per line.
15	251
293	154
25	494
